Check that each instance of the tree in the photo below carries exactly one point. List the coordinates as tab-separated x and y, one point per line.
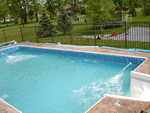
119	2
18	8
144	3
100	11
61	3
74	4
147	9
31	14
35	6
46	28
51	7
64	23
136	3
132	9
4	10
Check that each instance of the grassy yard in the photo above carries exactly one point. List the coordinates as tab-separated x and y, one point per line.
140	17
10	25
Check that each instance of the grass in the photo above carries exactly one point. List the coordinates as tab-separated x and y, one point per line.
140	17
10	25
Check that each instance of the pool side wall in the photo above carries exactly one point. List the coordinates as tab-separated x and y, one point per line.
9	50
95	56
87	55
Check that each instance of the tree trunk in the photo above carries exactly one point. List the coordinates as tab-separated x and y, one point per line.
101	28
50	16
144	7
25	20
36	16
64	32
22	22
4	20
25	16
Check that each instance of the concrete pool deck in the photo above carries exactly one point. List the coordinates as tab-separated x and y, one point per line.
107	103
6	108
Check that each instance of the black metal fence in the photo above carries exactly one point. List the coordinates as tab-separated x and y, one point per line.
116	34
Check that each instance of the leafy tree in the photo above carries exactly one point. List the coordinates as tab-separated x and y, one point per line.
64	23
61	3
83	10
136	3
31	14
101	11
51	7
4	10
132	10
46	28
18	8
36	6
119	2
144	4
147	9
74	4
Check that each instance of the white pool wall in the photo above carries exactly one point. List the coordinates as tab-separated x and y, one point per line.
141	81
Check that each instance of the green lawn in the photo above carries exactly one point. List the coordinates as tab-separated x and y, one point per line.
10	25
140	17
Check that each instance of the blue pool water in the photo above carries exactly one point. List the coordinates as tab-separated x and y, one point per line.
36	82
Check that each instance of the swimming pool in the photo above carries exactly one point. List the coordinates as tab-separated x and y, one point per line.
36	80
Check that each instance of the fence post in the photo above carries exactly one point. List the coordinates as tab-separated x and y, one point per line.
125	34
5	36
21	33
70	33
87	33
51	27
94	34
36	35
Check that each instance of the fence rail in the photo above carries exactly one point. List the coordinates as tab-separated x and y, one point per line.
116	34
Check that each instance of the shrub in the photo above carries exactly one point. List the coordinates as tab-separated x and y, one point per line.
132	11
16	21
46	28
64	23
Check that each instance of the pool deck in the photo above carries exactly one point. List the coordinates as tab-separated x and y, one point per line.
107	103
6	108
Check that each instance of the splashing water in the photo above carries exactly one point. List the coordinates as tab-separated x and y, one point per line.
17	58
117	77
94	91
4	96
2	54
